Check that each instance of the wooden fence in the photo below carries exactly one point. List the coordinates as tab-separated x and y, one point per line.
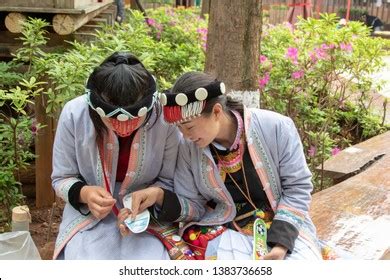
277	9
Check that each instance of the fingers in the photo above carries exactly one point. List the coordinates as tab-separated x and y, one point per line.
99	201
278	252
124	231
137	198
145	198
140	203
106	202
100	212
270	256
104	198
124	213
267	257
122	216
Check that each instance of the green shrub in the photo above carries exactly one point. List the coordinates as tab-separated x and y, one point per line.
319	75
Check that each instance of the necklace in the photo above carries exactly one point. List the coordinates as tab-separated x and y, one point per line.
247	194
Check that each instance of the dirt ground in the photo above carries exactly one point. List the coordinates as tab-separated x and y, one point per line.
44	226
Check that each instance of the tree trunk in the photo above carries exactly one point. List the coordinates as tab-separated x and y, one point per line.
205	8
233	43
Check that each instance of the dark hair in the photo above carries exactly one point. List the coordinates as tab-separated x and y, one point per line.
192	80
121	80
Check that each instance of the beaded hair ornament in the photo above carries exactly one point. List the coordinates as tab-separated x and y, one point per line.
136	110
183	107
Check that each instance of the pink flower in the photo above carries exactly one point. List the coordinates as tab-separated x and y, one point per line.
201	30
324	46
292	53
264	81
203	36
346	47
263	58
297	74
335	151
266	64
312	151
313	57
151	21
320	53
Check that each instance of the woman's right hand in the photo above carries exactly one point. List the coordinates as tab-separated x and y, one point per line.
99	201
124	213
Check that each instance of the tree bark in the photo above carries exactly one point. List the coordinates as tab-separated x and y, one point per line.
205	8
233	43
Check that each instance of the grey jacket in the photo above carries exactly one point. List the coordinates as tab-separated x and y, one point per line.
76	157
277	154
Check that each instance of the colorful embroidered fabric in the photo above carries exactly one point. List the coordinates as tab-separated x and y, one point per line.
198	237
168	234
231	162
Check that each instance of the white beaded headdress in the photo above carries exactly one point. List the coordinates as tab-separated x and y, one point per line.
179	107
138	109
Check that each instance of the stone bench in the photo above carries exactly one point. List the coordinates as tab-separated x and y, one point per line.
357	158
354	215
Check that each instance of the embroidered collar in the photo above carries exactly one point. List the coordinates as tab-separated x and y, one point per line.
240	129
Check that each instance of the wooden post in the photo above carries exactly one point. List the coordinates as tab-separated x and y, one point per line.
14	22
348	10
43	149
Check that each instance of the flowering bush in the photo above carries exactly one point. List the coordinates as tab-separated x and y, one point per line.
319	75
168	42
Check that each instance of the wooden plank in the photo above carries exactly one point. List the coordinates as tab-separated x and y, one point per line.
42	10
43	149
355	215
28	3
62	4
81	10
353	159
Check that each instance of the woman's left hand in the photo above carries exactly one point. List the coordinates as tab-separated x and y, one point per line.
278	252
145	198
